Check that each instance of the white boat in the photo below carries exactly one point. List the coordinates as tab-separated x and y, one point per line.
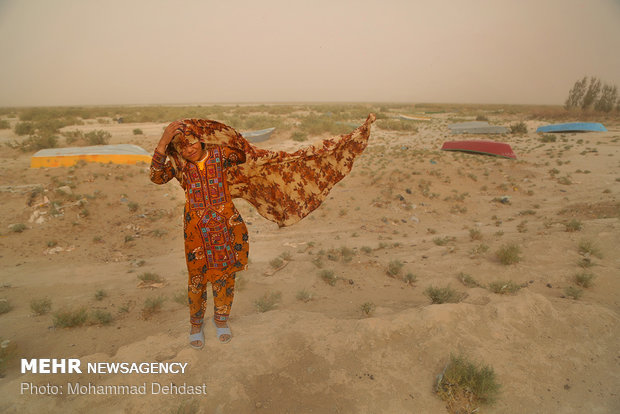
258	136
477	127
414	118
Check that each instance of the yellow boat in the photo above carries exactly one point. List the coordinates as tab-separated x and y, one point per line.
66	157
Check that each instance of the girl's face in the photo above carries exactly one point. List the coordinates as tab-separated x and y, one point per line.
193	152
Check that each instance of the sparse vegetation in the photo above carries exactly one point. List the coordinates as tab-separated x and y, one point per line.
70	318
137	131
40	306
410	278
442	295
328	277
152	305
509	254
464	386
101	294
573	292
518	128
5	306
585	280
304	296
268	301
479	249
475	234
367	308
149	277
102	317
573	226
588	248
8	351
467	280
18	227
276	263
394	268
299	136
503	288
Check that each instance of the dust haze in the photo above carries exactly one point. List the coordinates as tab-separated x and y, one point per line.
149	52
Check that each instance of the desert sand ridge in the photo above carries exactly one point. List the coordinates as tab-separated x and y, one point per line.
405	201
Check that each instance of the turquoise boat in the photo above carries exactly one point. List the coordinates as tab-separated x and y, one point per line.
573	127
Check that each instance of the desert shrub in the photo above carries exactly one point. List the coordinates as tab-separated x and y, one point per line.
397	125
328	277
304	296
101	317
465	385
97	137
518	128
5	306
367	308
40	306
573	225
314	124
394	268
467	280
479	249
548	138
410	278
509	254
24	128
276	263
150	277
299	136
8	351
502	288
4	124
587	247
137	131
573	292
475	234
442	295
101	294
152	305
481	118
18	227
70	318
585	280
268	301
35	142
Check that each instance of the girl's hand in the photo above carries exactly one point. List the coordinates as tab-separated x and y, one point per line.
169	133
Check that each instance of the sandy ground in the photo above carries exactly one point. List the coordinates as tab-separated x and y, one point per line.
405	200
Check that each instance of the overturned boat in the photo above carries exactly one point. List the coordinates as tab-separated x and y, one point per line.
477	127
573	127
497	149
258	136
66	157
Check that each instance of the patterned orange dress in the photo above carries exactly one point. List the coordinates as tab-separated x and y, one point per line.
283	187
216	238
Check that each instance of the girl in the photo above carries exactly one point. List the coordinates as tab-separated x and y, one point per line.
214	164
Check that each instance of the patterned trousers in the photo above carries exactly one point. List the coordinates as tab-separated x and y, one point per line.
223	287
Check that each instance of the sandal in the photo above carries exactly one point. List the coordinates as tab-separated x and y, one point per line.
222	331
198	336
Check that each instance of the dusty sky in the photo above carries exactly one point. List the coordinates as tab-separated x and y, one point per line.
81	52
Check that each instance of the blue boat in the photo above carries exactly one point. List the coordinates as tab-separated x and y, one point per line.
573	127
